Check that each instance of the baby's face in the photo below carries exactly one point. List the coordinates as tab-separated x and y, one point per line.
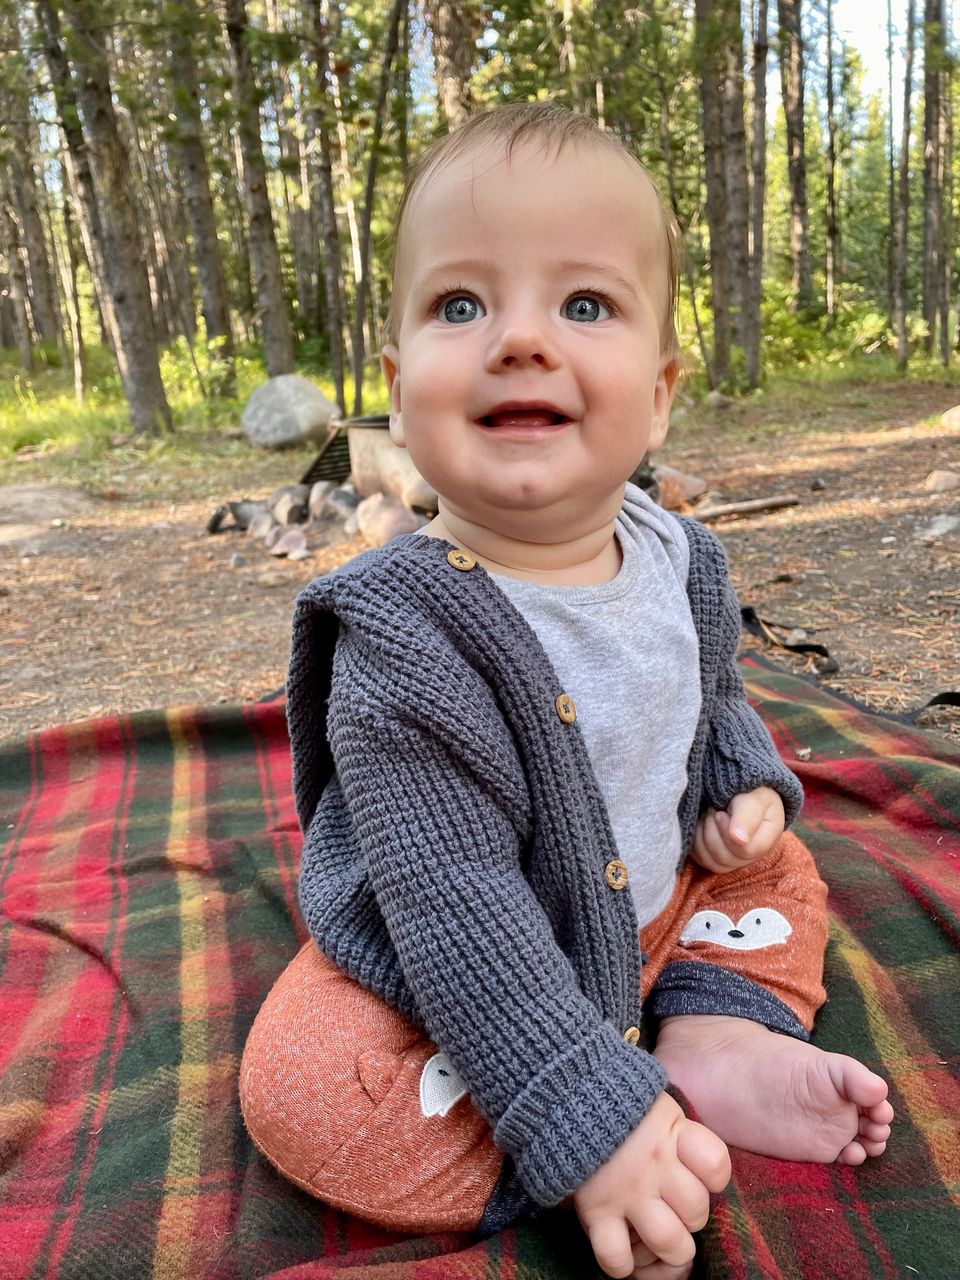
528	378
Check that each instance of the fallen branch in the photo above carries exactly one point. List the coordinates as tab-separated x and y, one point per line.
742	508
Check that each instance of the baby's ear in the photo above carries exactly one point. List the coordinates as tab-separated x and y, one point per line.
390	364
662	401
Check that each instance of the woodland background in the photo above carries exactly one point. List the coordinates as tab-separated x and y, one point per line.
193	196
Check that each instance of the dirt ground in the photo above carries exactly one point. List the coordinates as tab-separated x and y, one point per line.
120	602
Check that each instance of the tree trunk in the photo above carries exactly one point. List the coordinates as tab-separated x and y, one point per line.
709	73
77	167
182	24
933	61
122	246
12	250
735	165
891	178
73	293
362	284
344	176
946	192
903	200
264	256
757	193
831	173
319	130
791	80
568	56
454	28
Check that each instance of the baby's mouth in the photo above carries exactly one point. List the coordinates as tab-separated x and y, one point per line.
531	417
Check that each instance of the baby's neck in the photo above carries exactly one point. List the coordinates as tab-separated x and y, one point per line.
592	557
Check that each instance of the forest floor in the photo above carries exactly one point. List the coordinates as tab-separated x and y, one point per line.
113	597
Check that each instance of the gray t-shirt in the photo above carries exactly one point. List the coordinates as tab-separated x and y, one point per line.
626	651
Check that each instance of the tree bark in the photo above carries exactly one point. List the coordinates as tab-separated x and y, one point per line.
757	193
69	276
454	28
122	246
17	275
182	26
791	80
319	130
831	263
735	166
709	73
891	178
933	61
264	256
903	200
362	283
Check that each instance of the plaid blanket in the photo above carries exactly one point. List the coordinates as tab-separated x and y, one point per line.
147	879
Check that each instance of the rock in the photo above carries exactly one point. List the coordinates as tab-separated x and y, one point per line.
377	465
290	509
274	535
939	527
952	417
245	511
317	500
942	481
289	540
381	517
351	526
717	400
818	484
342	502
299	553
421	495
260	525
287	410
677	488
237	561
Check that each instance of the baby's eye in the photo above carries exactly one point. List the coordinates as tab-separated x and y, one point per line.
460	309
585	307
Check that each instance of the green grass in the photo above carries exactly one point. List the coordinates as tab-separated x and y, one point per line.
45	434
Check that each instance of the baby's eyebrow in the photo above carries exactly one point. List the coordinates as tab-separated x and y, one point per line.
598	269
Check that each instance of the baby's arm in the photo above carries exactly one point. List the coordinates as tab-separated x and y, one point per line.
747	829
658	1182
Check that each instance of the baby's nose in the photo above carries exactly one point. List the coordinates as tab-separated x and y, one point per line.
520	342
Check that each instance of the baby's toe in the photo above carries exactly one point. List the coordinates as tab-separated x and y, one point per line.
873	1149
879	1113
873	1132
853	1153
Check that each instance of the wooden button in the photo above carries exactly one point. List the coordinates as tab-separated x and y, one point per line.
461	559
616	874
565	709
632	1035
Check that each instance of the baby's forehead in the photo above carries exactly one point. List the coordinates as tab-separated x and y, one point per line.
568	173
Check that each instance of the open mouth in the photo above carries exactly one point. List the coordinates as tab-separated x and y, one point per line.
524	416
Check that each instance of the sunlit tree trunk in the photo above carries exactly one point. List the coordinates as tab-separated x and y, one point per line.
934	55
758	153
903	199
710	77
264	256
831	264
454	28
791	80
362	283
123	255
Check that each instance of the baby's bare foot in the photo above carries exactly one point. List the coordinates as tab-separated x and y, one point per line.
774	1095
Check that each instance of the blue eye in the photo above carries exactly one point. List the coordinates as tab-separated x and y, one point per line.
585	308
461	309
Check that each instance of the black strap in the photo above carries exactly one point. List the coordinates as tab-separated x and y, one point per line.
764	628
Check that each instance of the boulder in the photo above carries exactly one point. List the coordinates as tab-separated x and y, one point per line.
952	417
677	488
377	465
381	517
942	481
317	501
287	410
289	504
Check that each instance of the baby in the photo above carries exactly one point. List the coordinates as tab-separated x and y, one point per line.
522	752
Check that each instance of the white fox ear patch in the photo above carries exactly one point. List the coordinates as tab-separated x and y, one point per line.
440	1086
758	927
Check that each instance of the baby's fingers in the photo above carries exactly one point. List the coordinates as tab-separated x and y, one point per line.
663	1233
705	1155
610	1240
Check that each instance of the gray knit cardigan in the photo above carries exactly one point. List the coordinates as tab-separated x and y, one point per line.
456	838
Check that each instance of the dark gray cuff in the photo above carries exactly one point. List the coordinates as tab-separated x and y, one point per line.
572	1116
691	986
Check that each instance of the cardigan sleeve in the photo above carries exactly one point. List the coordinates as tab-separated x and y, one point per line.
560	1088
741	754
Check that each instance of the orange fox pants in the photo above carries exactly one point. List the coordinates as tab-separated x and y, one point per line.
354	1104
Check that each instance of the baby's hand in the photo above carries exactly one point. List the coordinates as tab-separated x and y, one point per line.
748	829
658	1182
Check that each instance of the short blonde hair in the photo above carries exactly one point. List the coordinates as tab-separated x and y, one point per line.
553	127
